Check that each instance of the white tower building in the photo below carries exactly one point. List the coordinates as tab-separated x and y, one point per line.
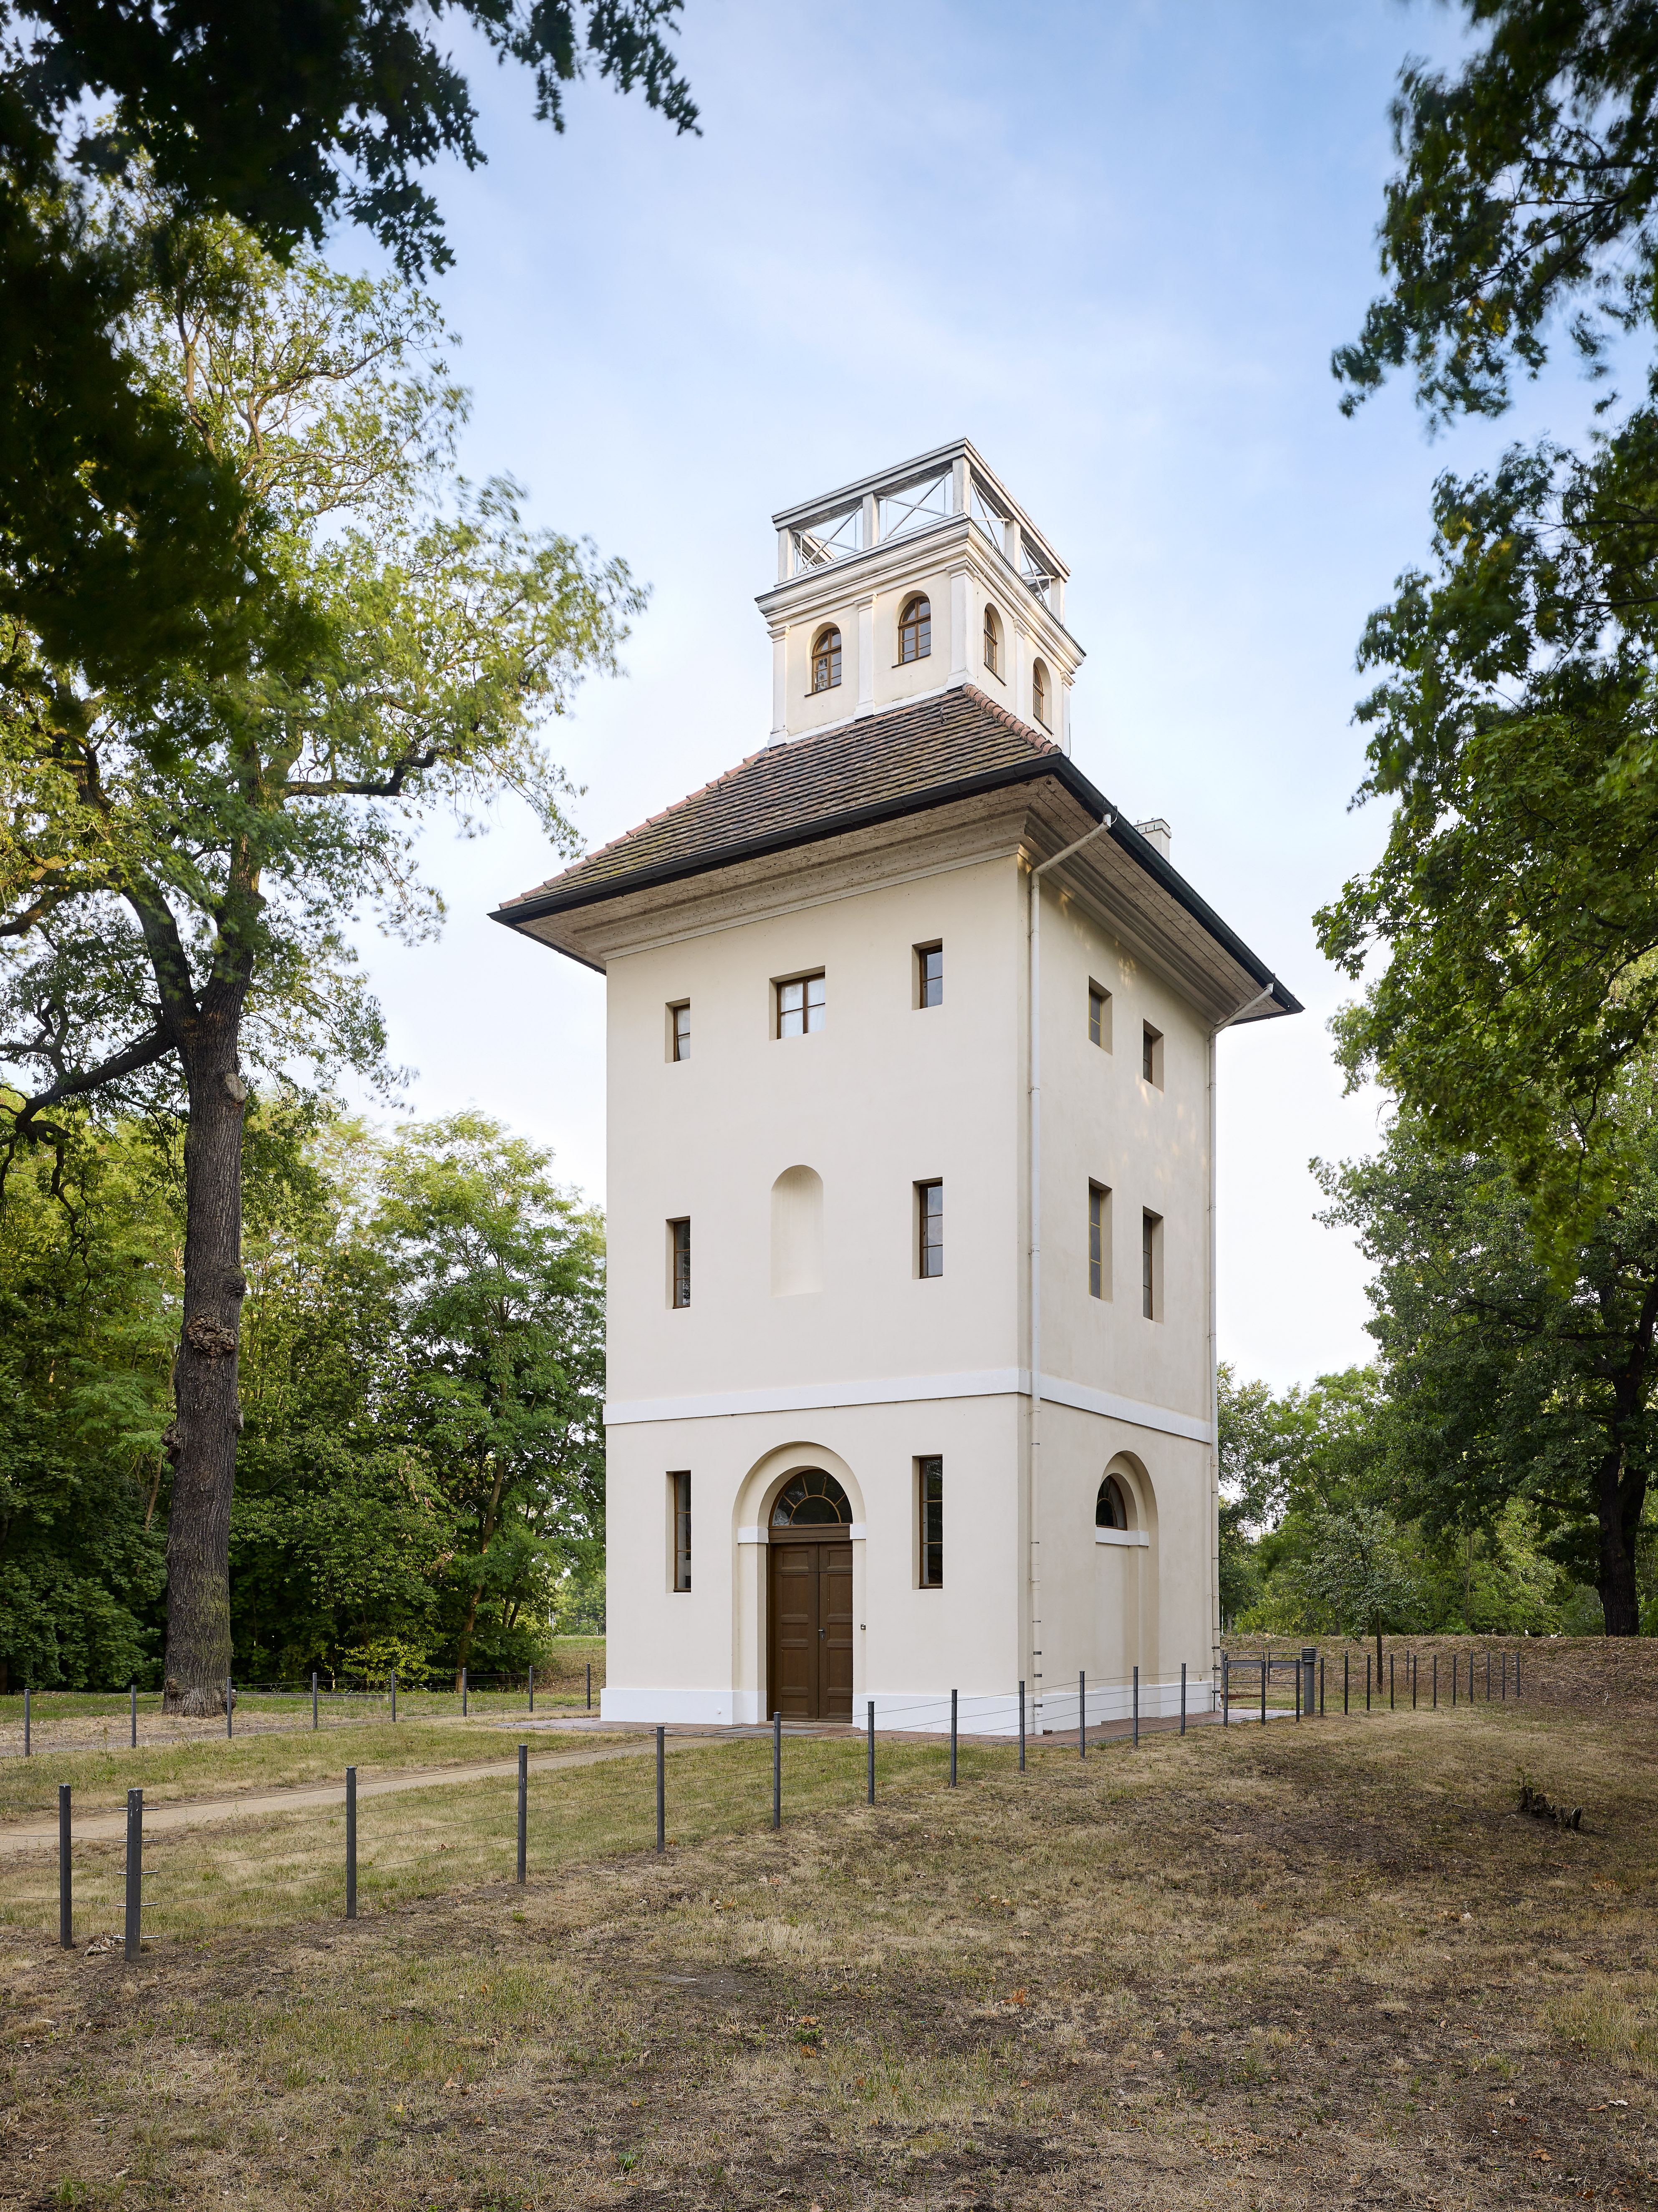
911	1068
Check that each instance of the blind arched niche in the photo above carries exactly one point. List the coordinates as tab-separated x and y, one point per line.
796	1232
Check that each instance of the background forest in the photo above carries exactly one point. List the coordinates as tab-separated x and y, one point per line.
420	1475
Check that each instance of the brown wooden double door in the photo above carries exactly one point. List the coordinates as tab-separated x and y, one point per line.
810	1630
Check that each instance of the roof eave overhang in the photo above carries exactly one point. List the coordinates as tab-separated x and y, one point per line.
1057	766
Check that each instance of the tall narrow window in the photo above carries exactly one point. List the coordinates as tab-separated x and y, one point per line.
930	975
680	1235
681	1530
930	1497
930	1215
1151	1055
1099	1016
916	630
1149	1226
800	1006
1099	1240
826	660
992	642
1039	693
679	1031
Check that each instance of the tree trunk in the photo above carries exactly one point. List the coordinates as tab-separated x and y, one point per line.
1617	1492
202	1440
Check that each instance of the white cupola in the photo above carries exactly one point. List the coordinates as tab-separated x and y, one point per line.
921	577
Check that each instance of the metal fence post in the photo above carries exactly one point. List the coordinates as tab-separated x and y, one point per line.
1082	1714
229	1707
394	1697
661	1789
523	1815
1225	1689
463	1693
1021	1728
1137	1708
1182	1697
135	1716
27	1720
65	1895
134	1869
1321	1686
871	1751
1346	1682
590	1686
1265	1668
350	1843
952	1738
777	1770
313	1700
532	1689
1390	1682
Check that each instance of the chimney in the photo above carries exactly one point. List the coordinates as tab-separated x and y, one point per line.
1156	832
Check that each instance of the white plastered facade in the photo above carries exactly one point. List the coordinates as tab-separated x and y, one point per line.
811	1339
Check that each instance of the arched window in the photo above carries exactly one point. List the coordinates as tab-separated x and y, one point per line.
1111	1507
811	1499
1039	693
915	630
826	660
992	642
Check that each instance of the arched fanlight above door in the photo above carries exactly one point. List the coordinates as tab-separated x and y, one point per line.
811	1499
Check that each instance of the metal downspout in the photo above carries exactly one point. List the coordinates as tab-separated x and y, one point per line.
1033	1455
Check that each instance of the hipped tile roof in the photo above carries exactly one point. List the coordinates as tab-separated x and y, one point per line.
907	758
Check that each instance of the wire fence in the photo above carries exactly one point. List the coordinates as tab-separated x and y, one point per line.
1497	1676
33	1721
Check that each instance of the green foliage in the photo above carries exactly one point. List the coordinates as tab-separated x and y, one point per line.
88	1321
1513	726
421	1376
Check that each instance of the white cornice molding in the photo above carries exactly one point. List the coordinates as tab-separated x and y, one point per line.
906	1390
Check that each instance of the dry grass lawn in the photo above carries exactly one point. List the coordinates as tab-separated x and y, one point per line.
1325	1965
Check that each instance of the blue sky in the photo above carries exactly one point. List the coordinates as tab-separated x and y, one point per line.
1114	244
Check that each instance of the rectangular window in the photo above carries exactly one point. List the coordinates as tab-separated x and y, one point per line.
1099	1240
800	1006
1099	1016
1151	1055
1150	1228
930	1215
930	975
679	1031
680	1235
681	1486
930	1488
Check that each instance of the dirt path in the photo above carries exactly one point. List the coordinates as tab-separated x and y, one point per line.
105	1827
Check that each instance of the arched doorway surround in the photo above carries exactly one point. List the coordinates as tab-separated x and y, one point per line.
1125	1513
800	1572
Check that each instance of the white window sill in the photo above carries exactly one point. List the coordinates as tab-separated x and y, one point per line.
1123	1536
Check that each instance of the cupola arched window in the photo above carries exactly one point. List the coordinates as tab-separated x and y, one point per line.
992	642
826	660
1039	694
915	630
811	1499
1111	1507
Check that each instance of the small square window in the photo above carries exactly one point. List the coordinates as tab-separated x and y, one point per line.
1099	1016
930	1500
930	1215
930	975
800	1006
680	1488
1151	1055
679	1030
679	1249
1099	1240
